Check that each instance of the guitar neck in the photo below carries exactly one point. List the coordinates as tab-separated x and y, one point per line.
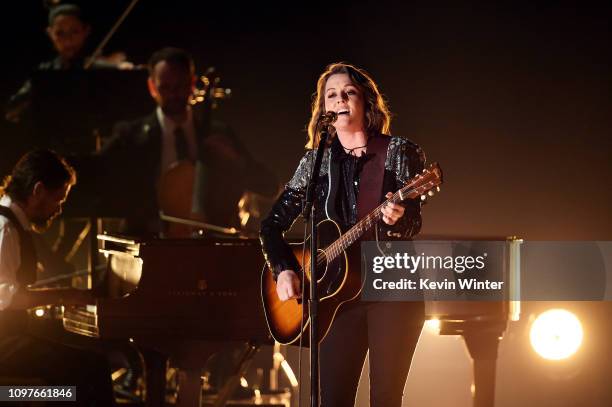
413	189
353	234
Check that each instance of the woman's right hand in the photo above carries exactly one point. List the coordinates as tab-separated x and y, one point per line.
288	285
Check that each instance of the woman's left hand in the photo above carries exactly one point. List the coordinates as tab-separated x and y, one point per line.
391	211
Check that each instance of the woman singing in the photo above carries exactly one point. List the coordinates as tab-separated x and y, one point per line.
389	330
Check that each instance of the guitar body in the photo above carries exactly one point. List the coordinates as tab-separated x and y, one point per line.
339	281
338	270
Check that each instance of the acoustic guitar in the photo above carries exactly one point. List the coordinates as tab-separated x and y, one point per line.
339	279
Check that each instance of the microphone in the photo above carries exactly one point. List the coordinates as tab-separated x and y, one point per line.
328	118
325	125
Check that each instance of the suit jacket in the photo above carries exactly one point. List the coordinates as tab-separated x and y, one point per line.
132	159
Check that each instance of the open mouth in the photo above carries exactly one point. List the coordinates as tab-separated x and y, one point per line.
342	111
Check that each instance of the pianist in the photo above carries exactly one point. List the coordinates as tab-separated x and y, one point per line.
30	198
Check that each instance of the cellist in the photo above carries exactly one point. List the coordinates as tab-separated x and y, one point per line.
144	150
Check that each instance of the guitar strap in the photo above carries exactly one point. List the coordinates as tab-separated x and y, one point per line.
371	179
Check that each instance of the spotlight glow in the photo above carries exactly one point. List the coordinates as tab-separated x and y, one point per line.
556	334
433	325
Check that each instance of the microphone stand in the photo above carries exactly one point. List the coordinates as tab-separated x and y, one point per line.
313	301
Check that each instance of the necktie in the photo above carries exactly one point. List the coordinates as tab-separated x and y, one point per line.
180	144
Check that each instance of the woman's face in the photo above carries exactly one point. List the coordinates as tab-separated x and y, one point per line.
346	99
68	35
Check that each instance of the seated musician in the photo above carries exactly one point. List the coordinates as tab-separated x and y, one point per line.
68	31
31	197
143	150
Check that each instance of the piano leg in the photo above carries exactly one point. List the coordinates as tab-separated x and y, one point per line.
155	377
190	387
234	381
482	343
189	357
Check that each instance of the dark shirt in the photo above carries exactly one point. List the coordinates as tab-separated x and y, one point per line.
404	160
348	188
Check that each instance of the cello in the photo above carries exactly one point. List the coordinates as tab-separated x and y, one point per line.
179	187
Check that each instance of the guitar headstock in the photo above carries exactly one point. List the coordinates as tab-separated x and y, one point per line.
423	185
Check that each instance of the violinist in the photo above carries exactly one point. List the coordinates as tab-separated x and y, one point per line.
68	31
142	151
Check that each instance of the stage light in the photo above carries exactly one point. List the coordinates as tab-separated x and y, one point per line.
556	334
433	325
40	312
118	373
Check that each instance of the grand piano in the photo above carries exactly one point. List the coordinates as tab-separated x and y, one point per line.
179	300
482	324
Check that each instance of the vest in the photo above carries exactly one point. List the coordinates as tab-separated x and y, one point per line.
15	322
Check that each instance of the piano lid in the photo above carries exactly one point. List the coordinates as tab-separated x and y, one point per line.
191	288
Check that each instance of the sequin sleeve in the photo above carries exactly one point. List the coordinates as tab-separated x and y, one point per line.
287	208
404	160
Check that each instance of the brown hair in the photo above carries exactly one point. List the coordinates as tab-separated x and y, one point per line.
173	56
37	166
377	114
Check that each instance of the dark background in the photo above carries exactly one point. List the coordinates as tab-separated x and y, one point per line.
512	99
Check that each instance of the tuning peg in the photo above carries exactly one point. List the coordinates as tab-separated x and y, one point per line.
430	193
423	170
438	189
423	197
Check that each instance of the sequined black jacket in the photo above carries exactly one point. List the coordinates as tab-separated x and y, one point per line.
404	160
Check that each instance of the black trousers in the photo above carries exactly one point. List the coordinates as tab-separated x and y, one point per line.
390	330
56	364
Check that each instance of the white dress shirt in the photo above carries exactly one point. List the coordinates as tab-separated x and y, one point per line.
168	126
10	252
